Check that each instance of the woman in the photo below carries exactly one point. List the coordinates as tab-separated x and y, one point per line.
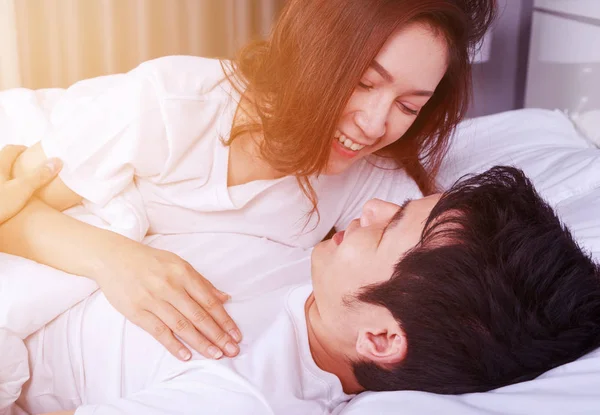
185	144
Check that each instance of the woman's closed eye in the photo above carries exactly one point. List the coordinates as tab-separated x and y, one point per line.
365	86
403	107
407	110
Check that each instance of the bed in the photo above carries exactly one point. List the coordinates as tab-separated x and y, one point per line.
564	166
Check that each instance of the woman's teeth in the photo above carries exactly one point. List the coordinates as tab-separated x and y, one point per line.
346	142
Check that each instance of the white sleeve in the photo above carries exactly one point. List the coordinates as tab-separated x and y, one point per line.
380	181
189	394
106	130
93	128
25	114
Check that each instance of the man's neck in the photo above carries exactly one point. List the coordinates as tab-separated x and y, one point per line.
326	356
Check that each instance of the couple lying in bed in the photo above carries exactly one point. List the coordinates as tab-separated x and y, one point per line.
470	290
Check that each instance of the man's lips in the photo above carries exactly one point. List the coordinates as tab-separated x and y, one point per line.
338	237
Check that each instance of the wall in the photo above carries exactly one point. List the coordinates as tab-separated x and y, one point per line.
54	43
499	84
564	61
565	53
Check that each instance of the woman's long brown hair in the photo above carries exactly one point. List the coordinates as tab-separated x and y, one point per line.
302	77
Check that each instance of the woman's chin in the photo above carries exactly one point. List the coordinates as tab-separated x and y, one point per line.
341	158
337	166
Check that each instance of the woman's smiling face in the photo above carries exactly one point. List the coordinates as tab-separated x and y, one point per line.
390	95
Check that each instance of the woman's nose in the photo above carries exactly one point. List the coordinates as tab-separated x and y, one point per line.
372	123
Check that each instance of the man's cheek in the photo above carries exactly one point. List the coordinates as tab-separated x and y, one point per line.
351	265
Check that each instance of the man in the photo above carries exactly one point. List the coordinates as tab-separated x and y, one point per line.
468	291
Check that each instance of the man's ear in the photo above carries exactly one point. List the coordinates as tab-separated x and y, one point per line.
383	346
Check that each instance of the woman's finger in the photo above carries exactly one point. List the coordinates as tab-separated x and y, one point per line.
224	297
8	155
185	330
202	292
40	177
15	194
204	321
159	330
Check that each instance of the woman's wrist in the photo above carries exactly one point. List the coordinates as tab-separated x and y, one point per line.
52	238
107	250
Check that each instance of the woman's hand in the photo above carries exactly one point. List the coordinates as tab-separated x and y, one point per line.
14	194
164	295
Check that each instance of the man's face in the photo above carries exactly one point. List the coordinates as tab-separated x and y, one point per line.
364	254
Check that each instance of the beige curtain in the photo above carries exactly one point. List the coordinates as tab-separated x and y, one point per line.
54	43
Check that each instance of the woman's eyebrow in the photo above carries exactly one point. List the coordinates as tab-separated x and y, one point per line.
382	71
385	74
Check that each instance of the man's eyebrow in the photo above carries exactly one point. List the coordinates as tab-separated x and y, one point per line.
395	219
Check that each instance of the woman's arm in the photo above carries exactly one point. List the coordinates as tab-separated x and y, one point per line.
43	234
108	131
55	193
156	290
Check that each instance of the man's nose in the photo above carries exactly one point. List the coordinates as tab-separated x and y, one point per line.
376	211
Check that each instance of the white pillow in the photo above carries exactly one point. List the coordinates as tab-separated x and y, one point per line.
565	169
571	389
543	143
589	124
31	295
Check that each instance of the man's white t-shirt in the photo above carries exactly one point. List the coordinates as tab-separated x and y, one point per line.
145	149
92	358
